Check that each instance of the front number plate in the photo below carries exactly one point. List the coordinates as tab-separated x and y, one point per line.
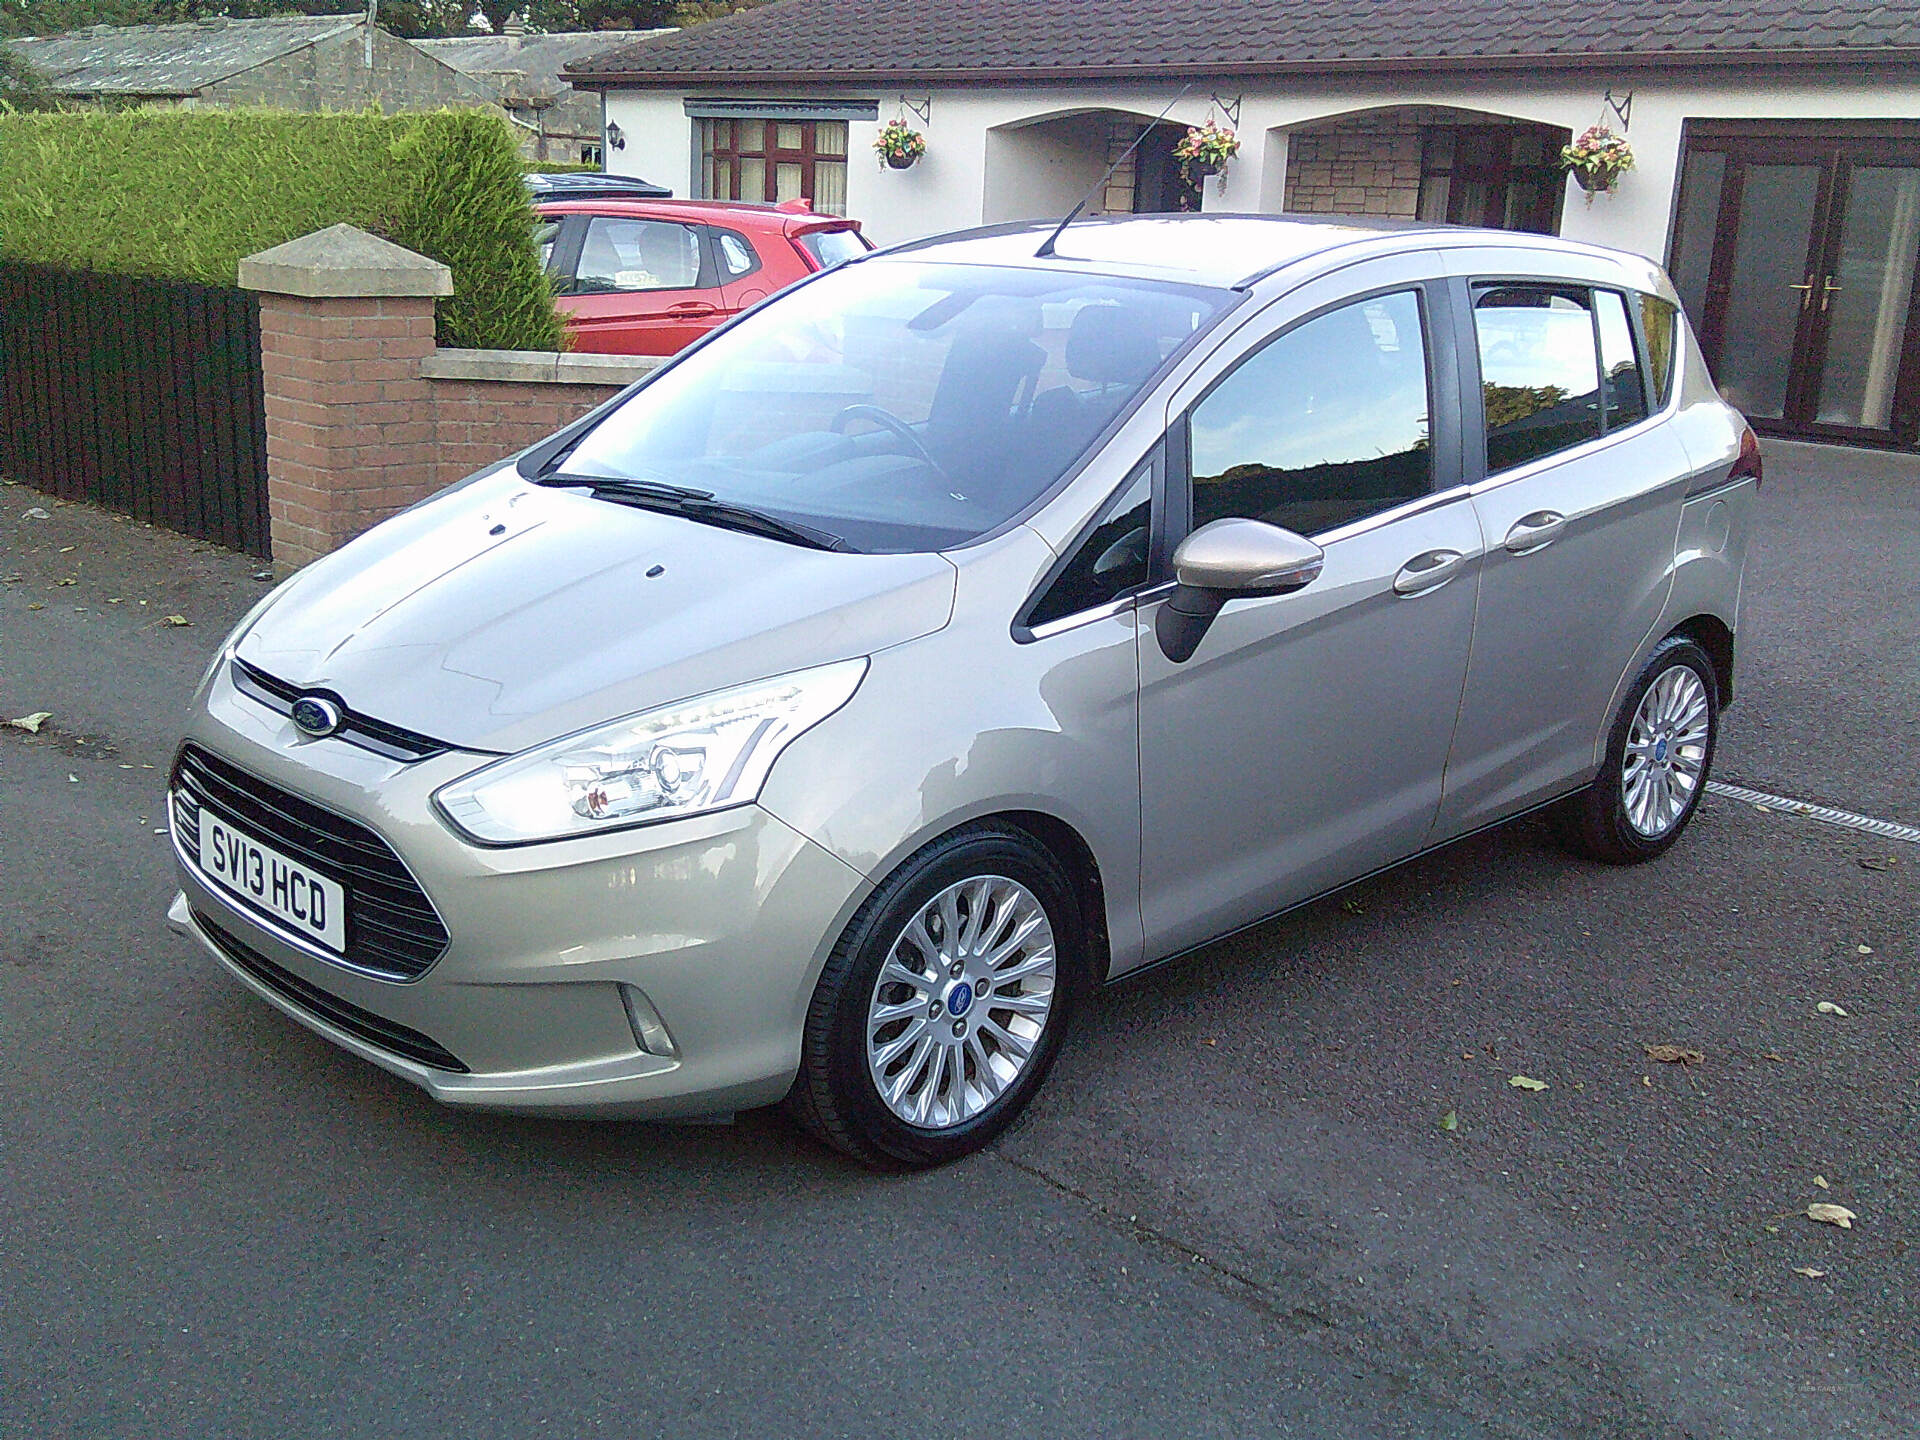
310	905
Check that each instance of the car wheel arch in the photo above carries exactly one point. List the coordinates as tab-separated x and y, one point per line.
1061	838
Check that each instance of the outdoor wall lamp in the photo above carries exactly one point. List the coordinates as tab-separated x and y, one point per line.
616	137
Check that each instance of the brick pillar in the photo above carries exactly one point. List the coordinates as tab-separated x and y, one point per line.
346	321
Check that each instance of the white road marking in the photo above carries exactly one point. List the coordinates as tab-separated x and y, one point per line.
1826	814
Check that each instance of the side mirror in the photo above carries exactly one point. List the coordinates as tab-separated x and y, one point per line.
1227	560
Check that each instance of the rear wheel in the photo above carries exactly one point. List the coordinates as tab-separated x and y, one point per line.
942	1007
1659	754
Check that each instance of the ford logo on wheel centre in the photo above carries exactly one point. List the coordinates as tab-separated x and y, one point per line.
317	717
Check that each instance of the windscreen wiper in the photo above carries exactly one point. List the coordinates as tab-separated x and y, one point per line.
699	505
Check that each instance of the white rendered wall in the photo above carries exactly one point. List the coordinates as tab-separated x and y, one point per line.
980	167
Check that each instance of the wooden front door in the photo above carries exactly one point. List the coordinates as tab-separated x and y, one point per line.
1795	254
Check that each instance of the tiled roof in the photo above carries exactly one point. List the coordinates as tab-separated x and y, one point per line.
169	60
904	39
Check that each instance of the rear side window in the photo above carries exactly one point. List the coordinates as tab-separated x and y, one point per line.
736	255
1326	424
1539	373
1624	391
832	247
622	255
544	234
1660	323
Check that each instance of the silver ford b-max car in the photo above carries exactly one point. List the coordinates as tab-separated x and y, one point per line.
968	626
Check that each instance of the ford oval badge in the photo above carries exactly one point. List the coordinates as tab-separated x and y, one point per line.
317	717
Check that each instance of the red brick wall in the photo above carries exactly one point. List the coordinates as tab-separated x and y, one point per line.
356	433
478	421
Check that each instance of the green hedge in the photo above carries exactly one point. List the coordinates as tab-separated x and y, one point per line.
188	194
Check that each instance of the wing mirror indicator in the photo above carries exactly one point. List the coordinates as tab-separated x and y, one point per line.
1230	560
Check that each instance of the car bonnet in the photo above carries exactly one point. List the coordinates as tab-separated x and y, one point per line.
502	614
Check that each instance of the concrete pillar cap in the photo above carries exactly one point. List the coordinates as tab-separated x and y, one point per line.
343	261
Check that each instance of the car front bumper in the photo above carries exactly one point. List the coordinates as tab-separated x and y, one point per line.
659	972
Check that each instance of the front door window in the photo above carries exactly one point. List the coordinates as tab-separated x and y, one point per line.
1326	425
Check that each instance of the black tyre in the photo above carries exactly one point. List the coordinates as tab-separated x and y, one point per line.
942	1007
1659	755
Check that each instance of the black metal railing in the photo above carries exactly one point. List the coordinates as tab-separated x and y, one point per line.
141	395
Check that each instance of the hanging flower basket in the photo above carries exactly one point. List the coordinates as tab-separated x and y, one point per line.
1205	150
898	146
1597	159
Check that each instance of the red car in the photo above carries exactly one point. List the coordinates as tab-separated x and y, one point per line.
647	277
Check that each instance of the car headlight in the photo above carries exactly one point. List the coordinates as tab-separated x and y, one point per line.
682	759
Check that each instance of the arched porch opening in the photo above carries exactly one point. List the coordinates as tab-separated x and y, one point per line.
1041	166
1429	162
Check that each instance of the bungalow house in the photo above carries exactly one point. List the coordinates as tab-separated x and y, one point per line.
1777	142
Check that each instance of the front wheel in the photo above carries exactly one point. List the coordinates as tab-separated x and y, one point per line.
1659	754
941	1009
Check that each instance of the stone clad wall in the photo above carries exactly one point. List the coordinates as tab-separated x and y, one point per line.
1365	167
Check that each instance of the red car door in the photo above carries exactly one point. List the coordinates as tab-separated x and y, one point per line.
640	287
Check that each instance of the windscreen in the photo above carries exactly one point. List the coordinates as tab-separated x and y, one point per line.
900	406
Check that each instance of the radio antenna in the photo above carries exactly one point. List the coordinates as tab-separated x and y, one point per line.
1045	252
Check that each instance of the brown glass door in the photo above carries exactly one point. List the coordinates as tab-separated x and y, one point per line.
1795	255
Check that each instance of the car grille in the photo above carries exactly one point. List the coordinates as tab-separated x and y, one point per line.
393	930
364	1025
368	733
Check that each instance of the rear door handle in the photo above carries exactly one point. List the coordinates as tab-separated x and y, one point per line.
1428	571
1535	531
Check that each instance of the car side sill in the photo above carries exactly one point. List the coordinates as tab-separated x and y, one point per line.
1181	954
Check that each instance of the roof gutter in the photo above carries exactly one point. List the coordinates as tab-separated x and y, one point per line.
1859	57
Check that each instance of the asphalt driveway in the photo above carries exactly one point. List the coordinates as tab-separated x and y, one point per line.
1233	1212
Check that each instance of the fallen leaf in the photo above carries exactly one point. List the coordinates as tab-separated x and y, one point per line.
68	581
1450	1121
1821	1181
31	723
1832	1215
1775	1056
1863	949
36	606
178	620
1209	1042
73	779
1673	1055
1353	907
1466	1054
66	549
1763	809
1771	1229
1827	1007
1647	1080
1524	1082
36	513
1809	1272
1876	862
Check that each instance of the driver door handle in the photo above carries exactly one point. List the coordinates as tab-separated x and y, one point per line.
692	310
1427	572
1535	531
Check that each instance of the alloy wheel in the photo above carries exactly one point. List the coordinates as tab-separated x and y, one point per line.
961	1002
1666	752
